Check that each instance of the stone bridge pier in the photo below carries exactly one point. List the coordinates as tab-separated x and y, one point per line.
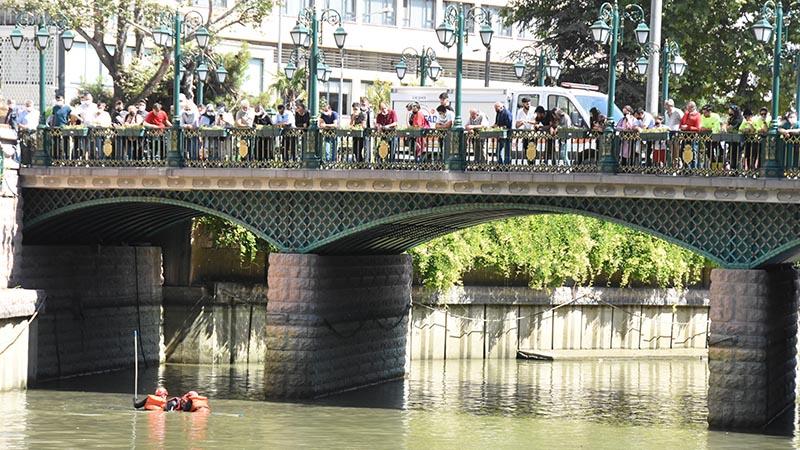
752	346
335	322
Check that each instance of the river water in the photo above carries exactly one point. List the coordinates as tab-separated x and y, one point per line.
611	404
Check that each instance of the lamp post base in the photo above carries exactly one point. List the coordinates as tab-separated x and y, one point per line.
771	169
41	152
608	162
456	155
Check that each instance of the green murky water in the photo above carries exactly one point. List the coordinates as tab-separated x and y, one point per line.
457	404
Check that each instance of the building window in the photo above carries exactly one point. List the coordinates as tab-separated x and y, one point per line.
467	6
346	8
329	93
254	77
420	13
497	22
214	3
293	7
380	12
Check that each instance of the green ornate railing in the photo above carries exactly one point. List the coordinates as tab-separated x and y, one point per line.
658	152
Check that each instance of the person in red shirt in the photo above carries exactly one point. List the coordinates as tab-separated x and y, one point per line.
387	120
157	118
691	123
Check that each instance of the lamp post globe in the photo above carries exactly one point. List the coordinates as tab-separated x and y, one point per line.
202	72
321	68
445	33
519	69
642	33
16	38
289	70
435	70
763	30
678	65
202	36
339	36
42	38
401	68
67	39
553	69
641	65
299	34
222	74
486	35
600	31
161	36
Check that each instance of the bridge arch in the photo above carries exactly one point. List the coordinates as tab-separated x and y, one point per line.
400	232
120	219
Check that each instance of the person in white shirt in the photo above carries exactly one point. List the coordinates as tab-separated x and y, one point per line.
86	109
102	119
526	117
28	116
245	115
477	120
672	115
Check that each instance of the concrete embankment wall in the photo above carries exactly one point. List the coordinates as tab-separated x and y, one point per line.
494	322
225	323
96	297
222	324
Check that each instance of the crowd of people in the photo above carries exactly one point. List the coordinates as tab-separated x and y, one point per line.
87	113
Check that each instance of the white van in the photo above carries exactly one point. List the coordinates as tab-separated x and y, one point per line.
575	100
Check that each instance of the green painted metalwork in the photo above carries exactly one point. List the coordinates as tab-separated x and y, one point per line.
732	234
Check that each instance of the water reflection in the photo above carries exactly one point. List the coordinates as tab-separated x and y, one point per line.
465	404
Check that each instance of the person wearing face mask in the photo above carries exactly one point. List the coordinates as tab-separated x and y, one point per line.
789	127
87	109
189	120
28	116
119	112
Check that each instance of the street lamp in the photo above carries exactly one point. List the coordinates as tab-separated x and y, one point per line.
183	27
545	60
764	32
422	61
307	33
452	31
43	24
607	26
672	62
202	69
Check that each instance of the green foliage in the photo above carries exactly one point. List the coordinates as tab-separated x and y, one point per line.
99	92
556	250
285	90
379	91
726	64
225	234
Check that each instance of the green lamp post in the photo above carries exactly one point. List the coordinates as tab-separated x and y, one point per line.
183	27
452	31
425	62
307	33
545	60
601	32
205	65
763	30
43	25
671	62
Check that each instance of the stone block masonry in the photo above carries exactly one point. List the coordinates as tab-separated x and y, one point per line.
752	347
335	322
96	297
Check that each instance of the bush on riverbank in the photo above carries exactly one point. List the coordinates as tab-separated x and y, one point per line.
557	250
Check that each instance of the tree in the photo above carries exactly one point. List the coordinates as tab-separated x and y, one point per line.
123	21
379	91
726	64
288	90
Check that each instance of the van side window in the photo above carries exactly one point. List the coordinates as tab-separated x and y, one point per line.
566	105
533	97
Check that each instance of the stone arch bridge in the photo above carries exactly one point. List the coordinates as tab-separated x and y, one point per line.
341	235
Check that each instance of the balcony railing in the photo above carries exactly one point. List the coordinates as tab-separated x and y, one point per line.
563	151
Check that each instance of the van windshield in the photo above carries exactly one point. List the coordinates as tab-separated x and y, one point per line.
595	101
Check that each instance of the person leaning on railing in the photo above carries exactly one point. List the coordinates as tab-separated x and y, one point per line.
628	123
329	120
477	121
101	119
284	120
789	127
386	121
503	120
358	120
691	123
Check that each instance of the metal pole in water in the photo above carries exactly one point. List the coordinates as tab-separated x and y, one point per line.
135	365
